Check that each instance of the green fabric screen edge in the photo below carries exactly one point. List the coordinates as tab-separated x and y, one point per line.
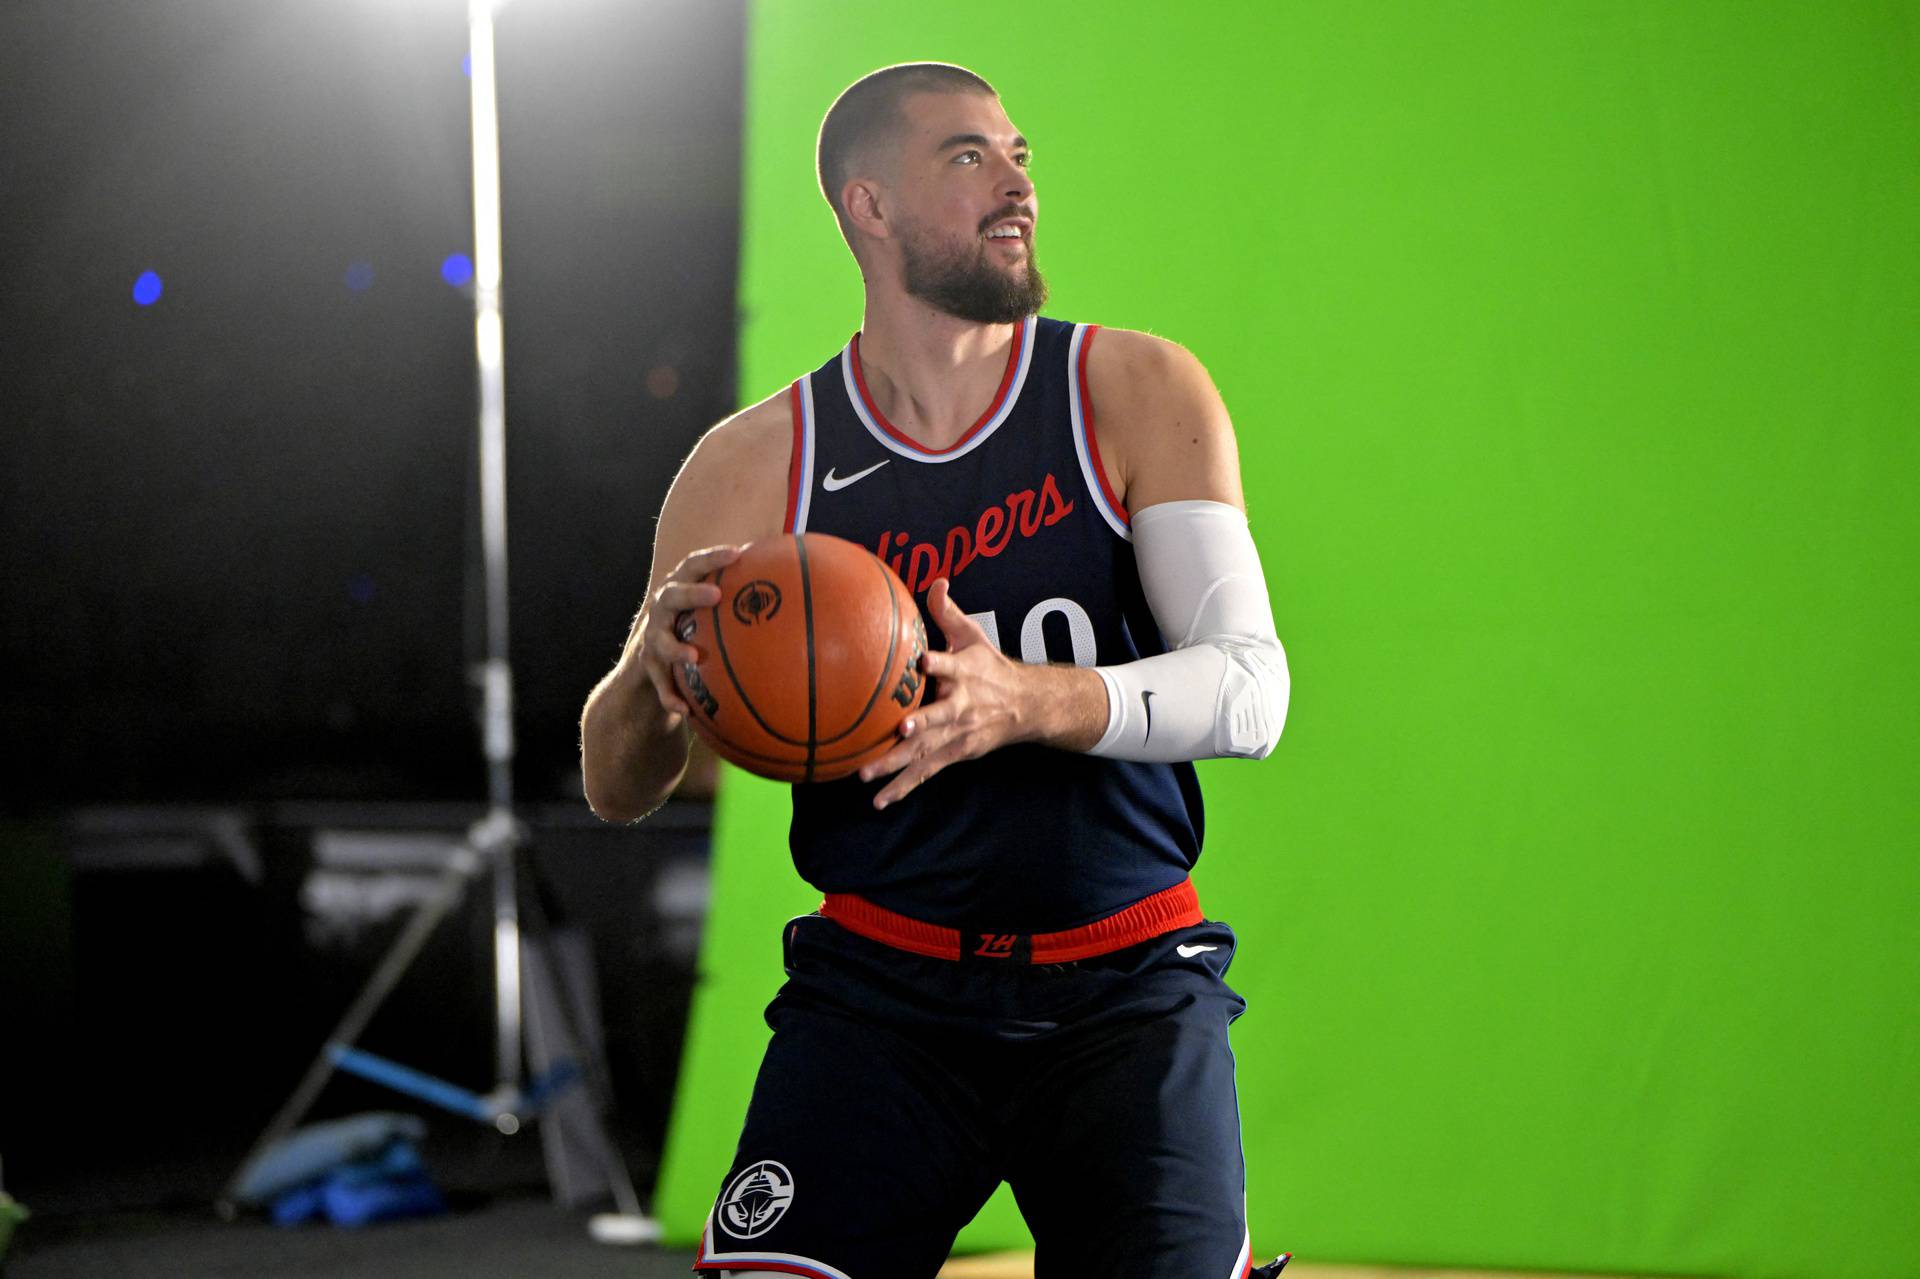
1571	349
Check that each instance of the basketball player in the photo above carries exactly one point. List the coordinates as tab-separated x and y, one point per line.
1010	977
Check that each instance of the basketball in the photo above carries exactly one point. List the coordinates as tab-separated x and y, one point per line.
809	661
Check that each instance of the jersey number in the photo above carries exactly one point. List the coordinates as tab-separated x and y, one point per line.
1033	638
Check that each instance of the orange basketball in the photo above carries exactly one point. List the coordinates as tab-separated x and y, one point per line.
809	661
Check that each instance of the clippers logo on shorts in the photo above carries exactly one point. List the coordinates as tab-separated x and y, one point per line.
756	1199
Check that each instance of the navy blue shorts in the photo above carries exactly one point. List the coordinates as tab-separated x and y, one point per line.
899	1091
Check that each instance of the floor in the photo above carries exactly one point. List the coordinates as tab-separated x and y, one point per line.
1020	1266
155	1217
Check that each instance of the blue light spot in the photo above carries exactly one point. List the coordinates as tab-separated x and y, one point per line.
457	269
466	66
146	289
360	588
360	276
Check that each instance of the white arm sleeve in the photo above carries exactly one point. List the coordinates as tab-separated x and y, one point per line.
1222	687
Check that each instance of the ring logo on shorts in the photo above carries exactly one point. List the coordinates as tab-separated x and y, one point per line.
756	1199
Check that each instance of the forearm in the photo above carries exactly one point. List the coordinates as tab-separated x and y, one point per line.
630	758
1063	706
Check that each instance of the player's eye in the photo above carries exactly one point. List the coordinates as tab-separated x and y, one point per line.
965	154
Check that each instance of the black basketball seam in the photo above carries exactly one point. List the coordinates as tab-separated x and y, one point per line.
813	756
857	751
886	667
829	760
806	603
720	642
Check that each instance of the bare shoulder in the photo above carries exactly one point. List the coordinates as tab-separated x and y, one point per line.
1129	356
733	486
1163	430
756	438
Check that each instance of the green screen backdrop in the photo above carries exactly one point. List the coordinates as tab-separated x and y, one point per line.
1572	350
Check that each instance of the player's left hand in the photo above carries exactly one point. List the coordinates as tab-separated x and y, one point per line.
979	704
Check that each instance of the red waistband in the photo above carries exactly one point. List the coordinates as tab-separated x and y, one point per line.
1176	907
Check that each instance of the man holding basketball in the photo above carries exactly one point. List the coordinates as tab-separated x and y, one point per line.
1010	977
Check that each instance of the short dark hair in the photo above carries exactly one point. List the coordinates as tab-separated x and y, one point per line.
869	107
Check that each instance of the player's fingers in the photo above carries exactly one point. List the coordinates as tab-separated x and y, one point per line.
891	762
898	789
960	630
669	696
930	718
913	777
936	663
664	648
706	560
930	732
675	597
661	651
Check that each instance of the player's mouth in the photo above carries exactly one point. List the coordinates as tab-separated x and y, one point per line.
1010	231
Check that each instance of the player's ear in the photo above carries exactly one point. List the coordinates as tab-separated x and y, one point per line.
865	203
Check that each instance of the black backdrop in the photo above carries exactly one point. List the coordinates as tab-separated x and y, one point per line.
238	527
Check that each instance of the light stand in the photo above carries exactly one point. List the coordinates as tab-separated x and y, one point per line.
493	842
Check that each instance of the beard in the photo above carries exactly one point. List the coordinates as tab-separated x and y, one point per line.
962	281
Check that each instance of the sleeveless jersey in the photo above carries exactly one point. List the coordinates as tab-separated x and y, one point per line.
1017	514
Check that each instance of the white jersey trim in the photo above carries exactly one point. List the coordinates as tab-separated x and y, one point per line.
807	437
895	445
785	1262
1244	1261
1094	486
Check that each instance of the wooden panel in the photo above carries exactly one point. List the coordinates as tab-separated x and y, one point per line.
1019	1265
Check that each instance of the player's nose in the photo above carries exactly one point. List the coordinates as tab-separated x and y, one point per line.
1015	184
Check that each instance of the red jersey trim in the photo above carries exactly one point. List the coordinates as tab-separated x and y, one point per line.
1022	335
1086	421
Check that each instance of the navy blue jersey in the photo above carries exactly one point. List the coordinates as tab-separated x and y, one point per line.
1018	516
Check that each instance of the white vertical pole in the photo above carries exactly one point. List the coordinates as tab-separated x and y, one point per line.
496	675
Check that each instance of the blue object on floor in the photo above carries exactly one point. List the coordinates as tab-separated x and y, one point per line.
300	1157
388	1184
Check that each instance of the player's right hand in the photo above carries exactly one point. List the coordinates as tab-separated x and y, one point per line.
660	650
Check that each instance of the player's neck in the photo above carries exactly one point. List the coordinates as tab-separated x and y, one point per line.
930	373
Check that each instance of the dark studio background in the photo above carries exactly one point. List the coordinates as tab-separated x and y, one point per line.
238	531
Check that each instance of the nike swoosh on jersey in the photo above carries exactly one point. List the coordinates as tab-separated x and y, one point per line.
834	483
1188	952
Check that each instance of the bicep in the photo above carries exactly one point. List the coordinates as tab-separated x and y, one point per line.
730	490
1163	426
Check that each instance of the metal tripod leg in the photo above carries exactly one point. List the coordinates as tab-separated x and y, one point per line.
461	868
630	1222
